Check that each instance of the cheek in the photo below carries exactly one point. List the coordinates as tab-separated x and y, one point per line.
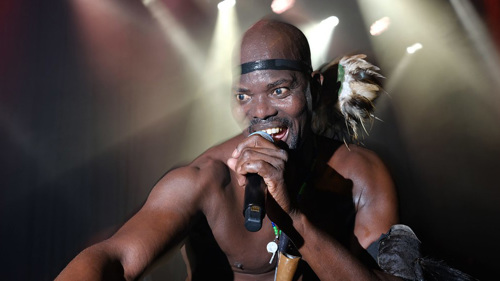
239	114
298	108
301	115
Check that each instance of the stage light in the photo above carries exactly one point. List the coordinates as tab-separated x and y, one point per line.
215	81
280	6
330	22
413	48
379	26
226	4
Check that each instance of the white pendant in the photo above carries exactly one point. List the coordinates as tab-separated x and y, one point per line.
272	248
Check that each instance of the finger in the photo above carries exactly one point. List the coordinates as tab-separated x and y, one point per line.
231	163
276	158
266	154
241	179
260	161
270	174
252	141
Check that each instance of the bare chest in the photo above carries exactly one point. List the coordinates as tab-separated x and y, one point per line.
243	252
246	252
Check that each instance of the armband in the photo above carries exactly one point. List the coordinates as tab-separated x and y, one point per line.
398	252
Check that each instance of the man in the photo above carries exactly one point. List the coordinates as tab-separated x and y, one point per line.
331	200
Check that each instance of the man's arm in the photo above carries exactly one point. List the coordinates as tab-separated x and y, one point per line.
328	258
159	225
376	211
374	194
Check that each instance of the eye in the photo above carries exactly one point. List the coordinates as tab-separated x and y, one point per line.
281	92
241	97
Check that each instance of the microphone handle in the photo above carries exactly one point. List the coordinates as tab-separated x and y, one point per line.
253	208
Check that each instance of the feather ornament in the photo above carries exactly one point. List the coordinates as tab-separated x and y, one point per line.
358	90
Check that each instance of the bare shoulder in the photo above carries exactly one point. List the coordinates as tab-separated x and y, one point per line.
354	156
374	193
212	164
364	167
200	178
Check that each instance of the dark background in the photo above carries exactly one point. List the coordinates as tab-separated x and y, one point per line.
97	103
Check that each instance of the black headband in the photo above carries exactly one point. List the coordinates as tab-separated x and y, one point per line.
275	64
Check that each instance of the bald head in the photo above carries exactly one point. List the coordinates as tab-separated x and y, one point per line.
269	39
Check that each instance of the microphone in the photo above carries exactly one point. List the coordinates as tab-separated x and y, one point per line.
253	207
254	210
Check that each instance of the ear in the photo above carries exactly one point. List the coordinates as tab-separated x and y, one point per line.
317	76
316	84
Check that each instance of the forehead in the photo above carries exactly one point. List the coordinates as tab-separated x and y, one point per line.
268	48
269	77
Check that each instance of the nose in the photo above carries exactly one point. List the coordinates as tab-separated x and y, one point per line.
262	107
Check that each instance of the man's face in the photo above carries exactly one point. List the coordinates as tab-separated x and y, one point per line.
275	101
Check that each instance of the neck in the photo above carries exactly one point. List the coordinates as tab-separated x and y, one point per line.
307	151
300	162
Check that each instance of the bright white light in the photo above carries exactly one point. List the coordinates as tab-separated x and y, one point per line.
413	48
332	21
280	6
380	26
175	33
226	4
320	36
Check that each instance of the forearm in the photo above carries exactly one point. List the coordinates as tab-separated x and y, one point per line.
328	258
94	263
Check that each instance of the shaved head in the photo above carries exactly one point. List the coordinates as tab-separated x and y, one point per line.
270	39
273	91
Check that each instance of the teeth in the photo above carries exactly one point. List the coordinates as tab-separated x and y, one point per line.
272	131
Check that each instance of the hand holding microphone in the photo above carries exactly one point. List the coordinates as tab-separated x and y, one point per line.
253	207
259	165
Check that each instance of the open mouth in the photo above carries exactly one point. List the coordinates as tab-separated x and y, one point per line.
277	133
